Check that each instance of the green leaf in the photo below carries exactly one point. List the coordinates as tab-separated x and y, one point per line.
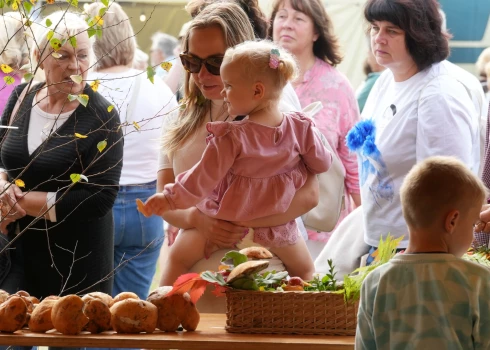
105	2
73	3
98	32
8	80
102	11
246	283
75	178
91	32
27	6
48	23
73	41
213	277
50	34
55	44
237	257
150	73
71	97
83	99
28	76
101	145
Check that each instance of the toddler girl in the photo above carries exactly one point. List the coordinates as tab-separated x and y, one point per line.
250	168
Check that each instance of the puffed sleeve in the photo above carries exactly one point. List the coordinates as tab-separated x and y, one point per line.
194	185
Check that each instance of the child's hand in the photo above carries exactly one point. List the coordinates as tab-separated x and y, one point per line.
155	205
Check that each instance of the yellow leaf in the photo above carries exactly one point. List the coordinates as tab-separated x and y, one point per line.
110	108
75	178
136	126
166	66
20	183
80	136
76	78
95	85
15	6
50	1
8	80
6	68
102	145
98	21
83	99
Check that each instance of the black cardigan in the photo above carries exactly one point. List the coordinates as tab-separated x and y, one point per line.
84	213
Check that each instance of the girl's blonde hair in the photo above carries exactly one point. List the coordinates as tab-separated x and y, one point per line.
255	59
236	29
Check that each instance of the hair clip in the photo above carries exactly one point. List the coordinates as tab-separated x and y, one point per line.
274	59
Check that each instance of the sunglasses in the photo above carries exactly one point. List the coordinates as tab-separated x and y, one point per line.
193	64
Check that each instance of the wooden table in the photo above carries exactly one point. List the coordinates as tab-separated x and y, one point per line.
210	335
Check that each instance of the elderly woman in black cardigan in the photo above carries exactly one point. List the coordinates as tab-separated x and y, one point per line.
67	152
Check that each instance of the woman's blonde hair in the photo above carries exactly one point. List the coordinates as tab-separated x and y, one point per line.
236	29
255	59
117	45
64	25
13	47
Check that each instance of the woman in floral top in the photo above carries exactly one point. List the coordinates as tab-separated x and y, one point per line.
304	28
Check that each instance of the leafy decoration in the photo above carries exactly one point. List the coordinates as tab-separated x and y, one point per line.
237	257
150	73
101	145
20	183
8	80
6	68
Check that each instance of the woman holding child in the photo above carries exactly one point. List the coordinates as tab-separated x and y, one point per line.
420	106
215	29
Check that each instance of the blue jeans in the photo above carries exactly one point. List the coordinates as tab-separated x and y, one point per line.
136	238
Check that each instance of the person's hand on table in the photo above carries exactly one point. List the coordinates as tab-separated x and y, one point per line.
222	233
10	210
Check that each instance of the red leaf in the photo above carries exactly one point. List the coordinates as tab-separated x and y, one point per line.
219	291
198	290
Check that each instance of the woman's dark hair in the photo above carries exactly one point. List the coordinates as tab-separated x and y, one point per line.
421	21
326	47
257	18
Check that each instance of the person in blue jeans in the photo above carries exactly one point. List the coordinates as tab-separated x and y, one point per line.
142	106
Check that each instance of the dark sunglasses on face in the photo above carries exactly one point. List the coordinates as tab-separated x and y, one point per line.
193	64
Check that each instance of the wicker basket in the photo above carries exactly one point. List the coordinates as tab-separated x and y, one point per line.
322	313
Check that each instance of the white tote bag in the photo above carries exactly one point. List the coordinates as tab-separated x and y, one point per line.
325	215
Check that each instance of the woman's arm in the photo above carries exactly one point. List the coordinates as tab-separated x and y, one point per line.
305	199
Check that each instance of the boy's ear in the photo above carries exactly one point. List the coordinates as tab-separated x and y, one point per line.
451	221
259	91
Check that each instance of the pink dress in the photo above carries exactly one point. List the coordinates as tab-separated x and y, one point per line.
249	170
339	114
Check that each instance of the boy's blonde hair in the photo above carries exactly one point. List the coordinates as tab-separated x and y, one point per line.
254	58
437	185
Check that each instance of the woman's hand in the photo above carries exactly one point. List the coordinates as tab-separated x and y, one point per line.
10	210
222	233
484	224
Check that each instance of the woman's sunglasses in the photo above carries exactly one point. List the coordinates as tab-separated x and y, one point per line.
193	64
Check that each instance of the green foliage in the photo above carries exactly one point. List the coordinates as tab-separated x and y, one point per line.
73	3
78	177
237	257
213	278
102	145
27	6
150	73
245	283
102	11
8	80
327	282
73	41
353	282
48	24
105	2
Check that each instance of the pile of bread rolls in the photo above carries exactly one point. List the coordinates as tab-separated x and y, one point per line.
98	312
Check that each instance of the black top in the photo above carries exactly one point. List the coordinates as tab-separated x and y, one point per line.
84	211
